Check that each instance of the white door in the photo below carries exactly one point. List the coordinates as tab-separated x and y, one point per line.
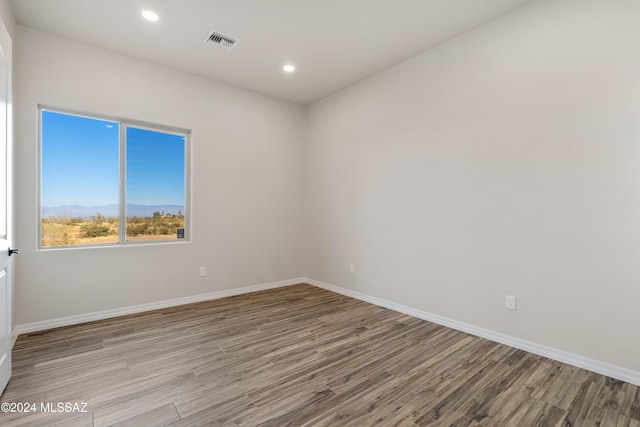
5	221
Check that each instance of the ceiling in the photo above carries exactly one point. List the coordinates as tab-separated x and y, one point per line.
332	43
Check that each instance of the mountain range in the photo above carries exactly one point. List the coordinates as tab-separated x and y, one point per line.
75	211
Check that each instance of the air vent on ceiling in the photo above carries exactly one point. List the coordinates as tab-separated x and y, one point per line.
220	39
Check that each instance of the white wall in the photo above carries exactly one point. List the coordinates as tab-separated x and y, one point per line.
506	161
246	182
8	19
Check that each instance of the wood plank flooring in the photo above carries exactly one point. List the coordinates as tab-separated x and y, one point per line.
299	356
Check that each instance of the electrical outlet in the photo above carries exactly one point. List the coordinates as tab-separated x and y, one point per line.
203	271
510	303
352	269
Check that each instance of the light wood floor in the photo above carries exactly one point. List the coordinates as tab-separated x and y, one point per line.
300	356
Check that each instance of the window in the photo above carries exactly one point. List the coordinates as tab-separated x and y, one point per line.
111	182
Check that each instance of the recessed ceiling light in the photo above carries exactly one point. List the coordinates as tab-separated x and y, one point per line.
289	68
151	16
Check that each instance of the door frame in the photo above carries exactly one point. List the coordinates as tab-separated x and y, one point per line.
6	51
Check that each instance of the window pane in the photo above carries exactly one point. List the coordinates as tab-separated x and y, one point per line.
155	190
80	180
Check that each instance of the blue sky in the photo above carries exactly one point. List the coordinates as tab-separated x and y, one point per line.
80	163
155	168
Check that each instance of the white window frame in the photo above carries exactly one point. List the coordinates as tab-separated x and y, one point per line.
122	165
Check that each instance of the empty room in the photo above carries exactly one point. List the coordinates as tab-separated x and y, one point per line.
320	213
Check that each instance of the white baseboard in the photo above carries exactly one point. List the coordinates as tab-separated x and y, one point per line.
613	371
106	314
623	374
